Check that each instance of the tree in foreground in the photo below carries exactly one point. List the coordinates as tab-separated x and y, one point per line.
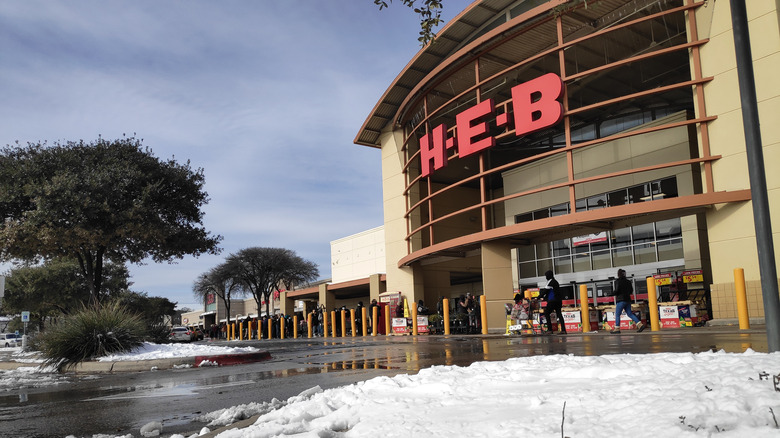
429	12
97	202
263	271
56	288
222	282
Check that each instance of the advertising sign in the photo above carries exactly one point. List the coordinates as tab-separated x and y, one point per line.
669	316
590	238
662	279
422	324
693	276
399	326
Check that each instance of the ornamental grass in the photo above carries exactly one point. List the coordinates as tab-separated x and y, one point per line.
92	332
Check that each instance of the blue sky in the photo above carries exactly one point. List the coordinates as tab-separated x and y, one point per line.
265	96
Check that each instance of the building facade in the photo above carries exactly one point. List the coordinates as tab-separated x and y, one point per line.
578	137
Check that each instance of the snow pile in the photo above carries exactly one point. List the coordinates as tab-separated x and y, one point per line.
667	394
29	377
149	351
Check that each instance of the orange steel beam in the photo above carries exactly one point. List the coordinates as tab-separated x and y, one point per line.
568	183
583	218
416	92
543	155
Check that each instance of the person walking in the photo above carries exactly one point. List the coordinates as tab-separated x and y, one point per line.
554	303
623	291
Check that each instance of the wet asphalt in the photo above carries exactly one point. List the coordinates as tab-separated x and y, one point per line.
120	403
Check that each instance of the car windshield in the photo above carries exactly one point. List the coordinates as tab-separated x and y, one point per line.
180	329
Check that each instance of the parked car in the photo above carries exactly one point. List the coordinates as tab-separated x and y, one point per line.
180	334
9	340
197	334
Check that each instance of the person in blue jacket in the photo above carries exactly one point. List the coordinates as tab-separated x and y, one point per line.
554	302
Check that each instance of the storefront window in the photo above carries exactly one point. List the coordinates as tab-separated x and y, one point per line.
543	266
643	233
618	197
623	256
601	260
562	265
581	259
644	253
670	249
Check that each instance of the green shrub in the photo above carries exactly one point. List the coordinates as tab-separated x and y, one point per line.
90	333
158	333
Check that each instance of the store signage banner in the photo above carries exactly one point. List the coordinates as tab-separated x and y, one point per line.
590	238
535	106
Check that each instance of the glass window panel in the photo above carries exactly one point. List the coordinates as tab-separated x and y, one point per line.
562	247
668	188
668	229
581	205
526	253
562	265
622	256
596	202
528	270
526	217
640	287
644	253
543	251
618	197
543	266
621	237
541	214
581	262
559	210
604	289
643	233
640	193
601	260
670	249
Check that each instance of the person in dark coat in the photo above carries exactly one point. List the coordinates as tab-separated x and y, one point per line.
623	291
554	302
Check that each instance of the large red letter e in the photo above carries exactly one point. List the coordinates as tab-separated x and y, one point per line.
546	111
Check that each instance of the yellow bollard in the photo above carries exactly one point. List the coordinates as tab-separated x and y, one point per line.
374	321
742	307
388	326
483	313
249	331
584	308
282	324
309	320
352	323
324	324
295	326
446	308
270	328
229	332
363	319
652	304
333	315
414	320
343	323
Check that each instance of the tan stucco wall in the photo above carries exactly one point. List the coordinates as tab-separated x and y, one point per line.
731	227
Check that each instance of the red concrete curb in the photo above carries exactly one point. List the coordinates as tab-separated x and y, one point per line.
232	359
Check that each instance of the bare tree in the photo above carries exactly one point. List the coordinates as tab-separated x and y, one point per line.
263	271
222	281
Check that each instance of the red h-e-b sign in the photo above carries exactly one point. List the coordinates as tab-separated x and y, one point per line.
534	103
